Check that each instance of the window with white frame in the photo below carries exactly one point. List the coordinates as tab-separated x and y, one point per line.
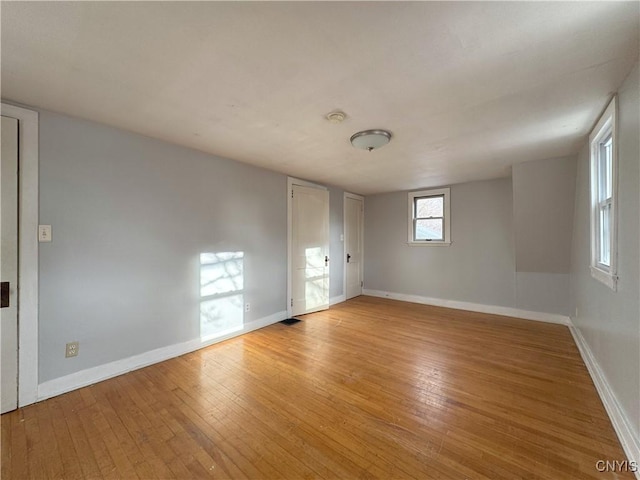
603	151
429	217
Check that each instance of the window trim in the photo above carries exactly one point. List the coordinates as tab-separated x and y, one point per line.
605	127
446	194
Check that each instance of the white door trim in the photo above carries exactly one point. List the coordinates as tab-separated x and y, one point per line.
291	181
27	253
344	243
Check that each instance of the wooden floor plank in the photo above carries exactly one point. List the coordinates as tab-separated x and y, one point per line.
71	404
36	448
53	465
67	450
292	435
372	388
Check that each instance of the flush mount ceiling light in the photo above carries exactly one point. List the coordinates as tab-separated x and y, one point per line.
336	117
370	139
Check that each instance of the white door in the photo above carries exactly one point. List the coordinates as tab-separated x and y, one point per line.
353	244
9	264
309	250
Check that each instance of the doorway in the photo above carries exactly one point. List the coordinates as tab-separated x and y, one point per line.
353	244
26	297
308	276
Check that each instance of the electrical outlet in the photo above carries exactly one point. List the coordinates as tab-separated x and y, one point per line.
72	349
247	307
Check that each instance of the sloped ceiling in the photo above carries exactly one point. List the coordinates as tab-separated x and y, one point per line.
467	89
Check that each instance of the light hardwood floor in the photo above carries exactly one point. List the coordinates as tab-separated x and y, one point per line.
371	388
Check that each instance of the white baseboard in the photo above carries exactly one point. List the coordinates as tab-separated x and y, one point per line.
473	307
337	299
93	375
621	424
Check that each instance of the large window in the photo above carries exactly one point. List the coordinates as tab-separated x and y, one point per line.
429	217
603	152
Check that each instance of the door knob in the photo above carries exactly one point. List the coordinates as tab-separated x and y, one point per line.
326	260
348	257
4	294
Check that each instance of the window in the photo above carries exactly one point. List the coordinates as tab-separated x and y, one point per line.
429	218
603	151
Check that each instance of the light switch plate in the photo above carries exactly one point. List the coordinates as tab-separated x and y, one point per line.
44	233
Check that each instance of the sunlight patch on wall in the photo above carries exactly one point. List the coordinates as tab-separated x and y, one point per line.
221	293
316	278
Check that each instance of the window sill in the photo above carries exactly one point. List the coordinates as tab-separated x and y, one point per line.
609	280
429	244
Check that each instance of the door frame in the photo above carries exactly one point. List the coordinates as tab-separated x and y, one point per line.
27	252
291	181
344	243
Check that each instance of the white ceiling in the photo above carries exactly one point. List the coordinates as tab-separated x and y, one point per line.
467	89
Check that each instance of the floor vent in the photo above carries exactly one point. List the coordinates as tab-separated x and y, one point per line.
290	321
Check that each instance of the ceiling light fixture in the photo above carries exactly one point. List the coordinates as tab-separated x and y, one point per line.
336	117
370	139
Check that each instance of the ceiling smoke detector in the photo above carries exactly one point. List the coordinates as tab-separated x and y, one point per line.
370	139
336	117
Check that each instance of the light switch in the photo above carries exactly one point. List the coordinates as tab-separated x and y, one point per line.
342	237
44	233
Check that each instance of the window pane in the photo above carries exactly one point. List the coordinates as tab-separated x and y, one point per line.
605	235
605	169
429	206
608	189
429	229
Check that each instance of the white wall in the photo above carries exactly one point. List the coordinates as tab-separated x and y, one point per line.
610	321
479	265
130	217
543	197
511	243
543	292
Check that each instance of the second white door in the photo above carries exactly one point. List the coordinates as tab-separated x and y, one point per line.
9	265
309	249
353	244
